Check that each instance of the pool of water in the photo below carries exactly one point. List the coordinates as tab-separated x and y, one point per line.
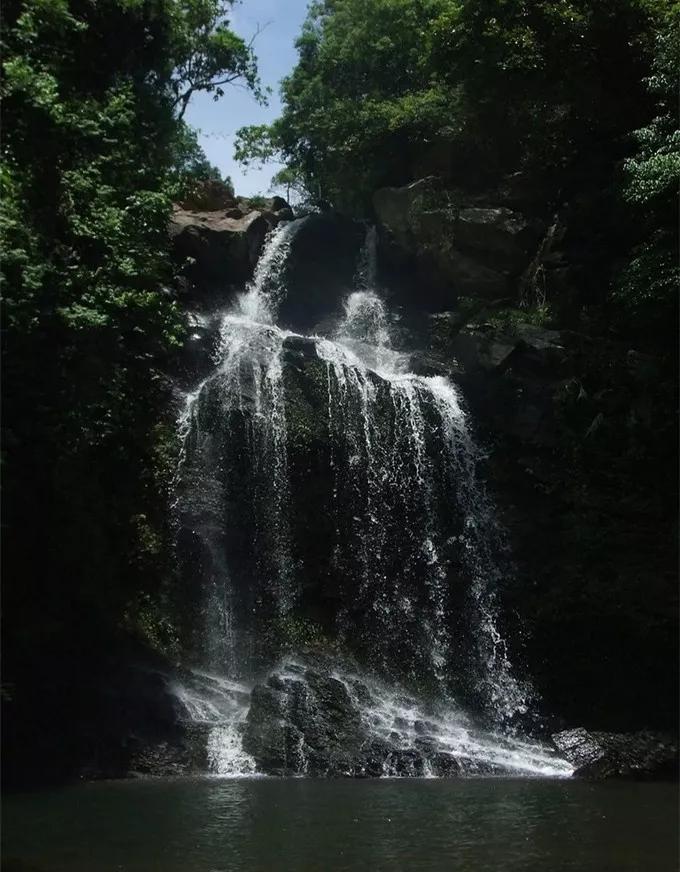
304	825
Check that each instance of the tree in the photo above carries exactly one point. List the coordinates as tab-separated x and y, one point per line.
94	150
647	287
206	54
381	86
361	100
294	183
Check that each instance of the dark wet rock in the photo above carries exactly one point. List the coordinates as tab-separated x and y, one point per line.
618	755
506	236
469	274
320	269
201	342
444	765
487	347
268	737
424	728
300	347
304	725
310	722
109	716
184	754
372	763
581	459
406	763
396	208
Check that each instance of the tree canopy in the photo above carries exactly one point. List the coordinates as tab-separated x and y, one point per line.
523	83
578	97
94	152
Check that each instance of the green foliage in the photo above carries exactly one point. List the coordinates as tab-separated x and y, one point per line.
360	101
294	186
647	287
509	319
204	54
148	618
387	91
94	151
654	172
189	163
382	85
258	201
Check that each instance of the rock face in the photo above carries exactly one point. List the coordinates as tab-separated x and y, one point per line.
218	250
581	460
618	755
475	249
222	246
217	238
320	269
304	721
109	718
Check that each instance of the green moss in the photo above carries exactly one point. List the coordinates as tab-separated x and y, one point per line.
509	319
306	390
149	618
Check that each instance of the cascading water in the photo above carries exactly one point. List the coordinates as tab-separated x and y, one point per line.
233	481
413	545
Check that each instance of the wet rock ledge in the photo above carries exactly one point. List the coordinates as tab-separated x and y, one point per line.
596	755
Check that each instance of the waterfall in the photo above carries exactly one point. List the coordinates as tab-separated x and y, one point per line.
233	480
415	551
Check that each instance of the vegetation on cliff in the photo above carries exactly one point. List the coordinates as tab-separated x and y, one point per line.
94	151
579	98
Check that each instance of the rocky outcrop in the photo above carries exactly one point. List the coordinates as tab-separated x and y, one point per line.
320	268
618	755
314	715
581	460
216	252
217	246
304	721
109	715
475	248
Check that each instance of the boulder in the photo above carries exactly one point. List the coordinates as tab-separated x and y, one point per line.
303	721
511	371
468	274
221	249
310	717
495	348
320	269
197	359
501	233
217	238
618	755
397	208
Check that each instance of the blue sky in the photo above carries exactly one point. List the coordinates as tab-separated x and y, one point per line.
218	121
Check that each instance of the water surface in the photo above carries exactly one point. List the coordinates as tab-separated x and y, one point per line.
305	825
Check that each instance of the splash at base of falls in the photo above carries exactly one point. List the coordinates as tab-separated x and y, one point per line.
221	706
312	716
